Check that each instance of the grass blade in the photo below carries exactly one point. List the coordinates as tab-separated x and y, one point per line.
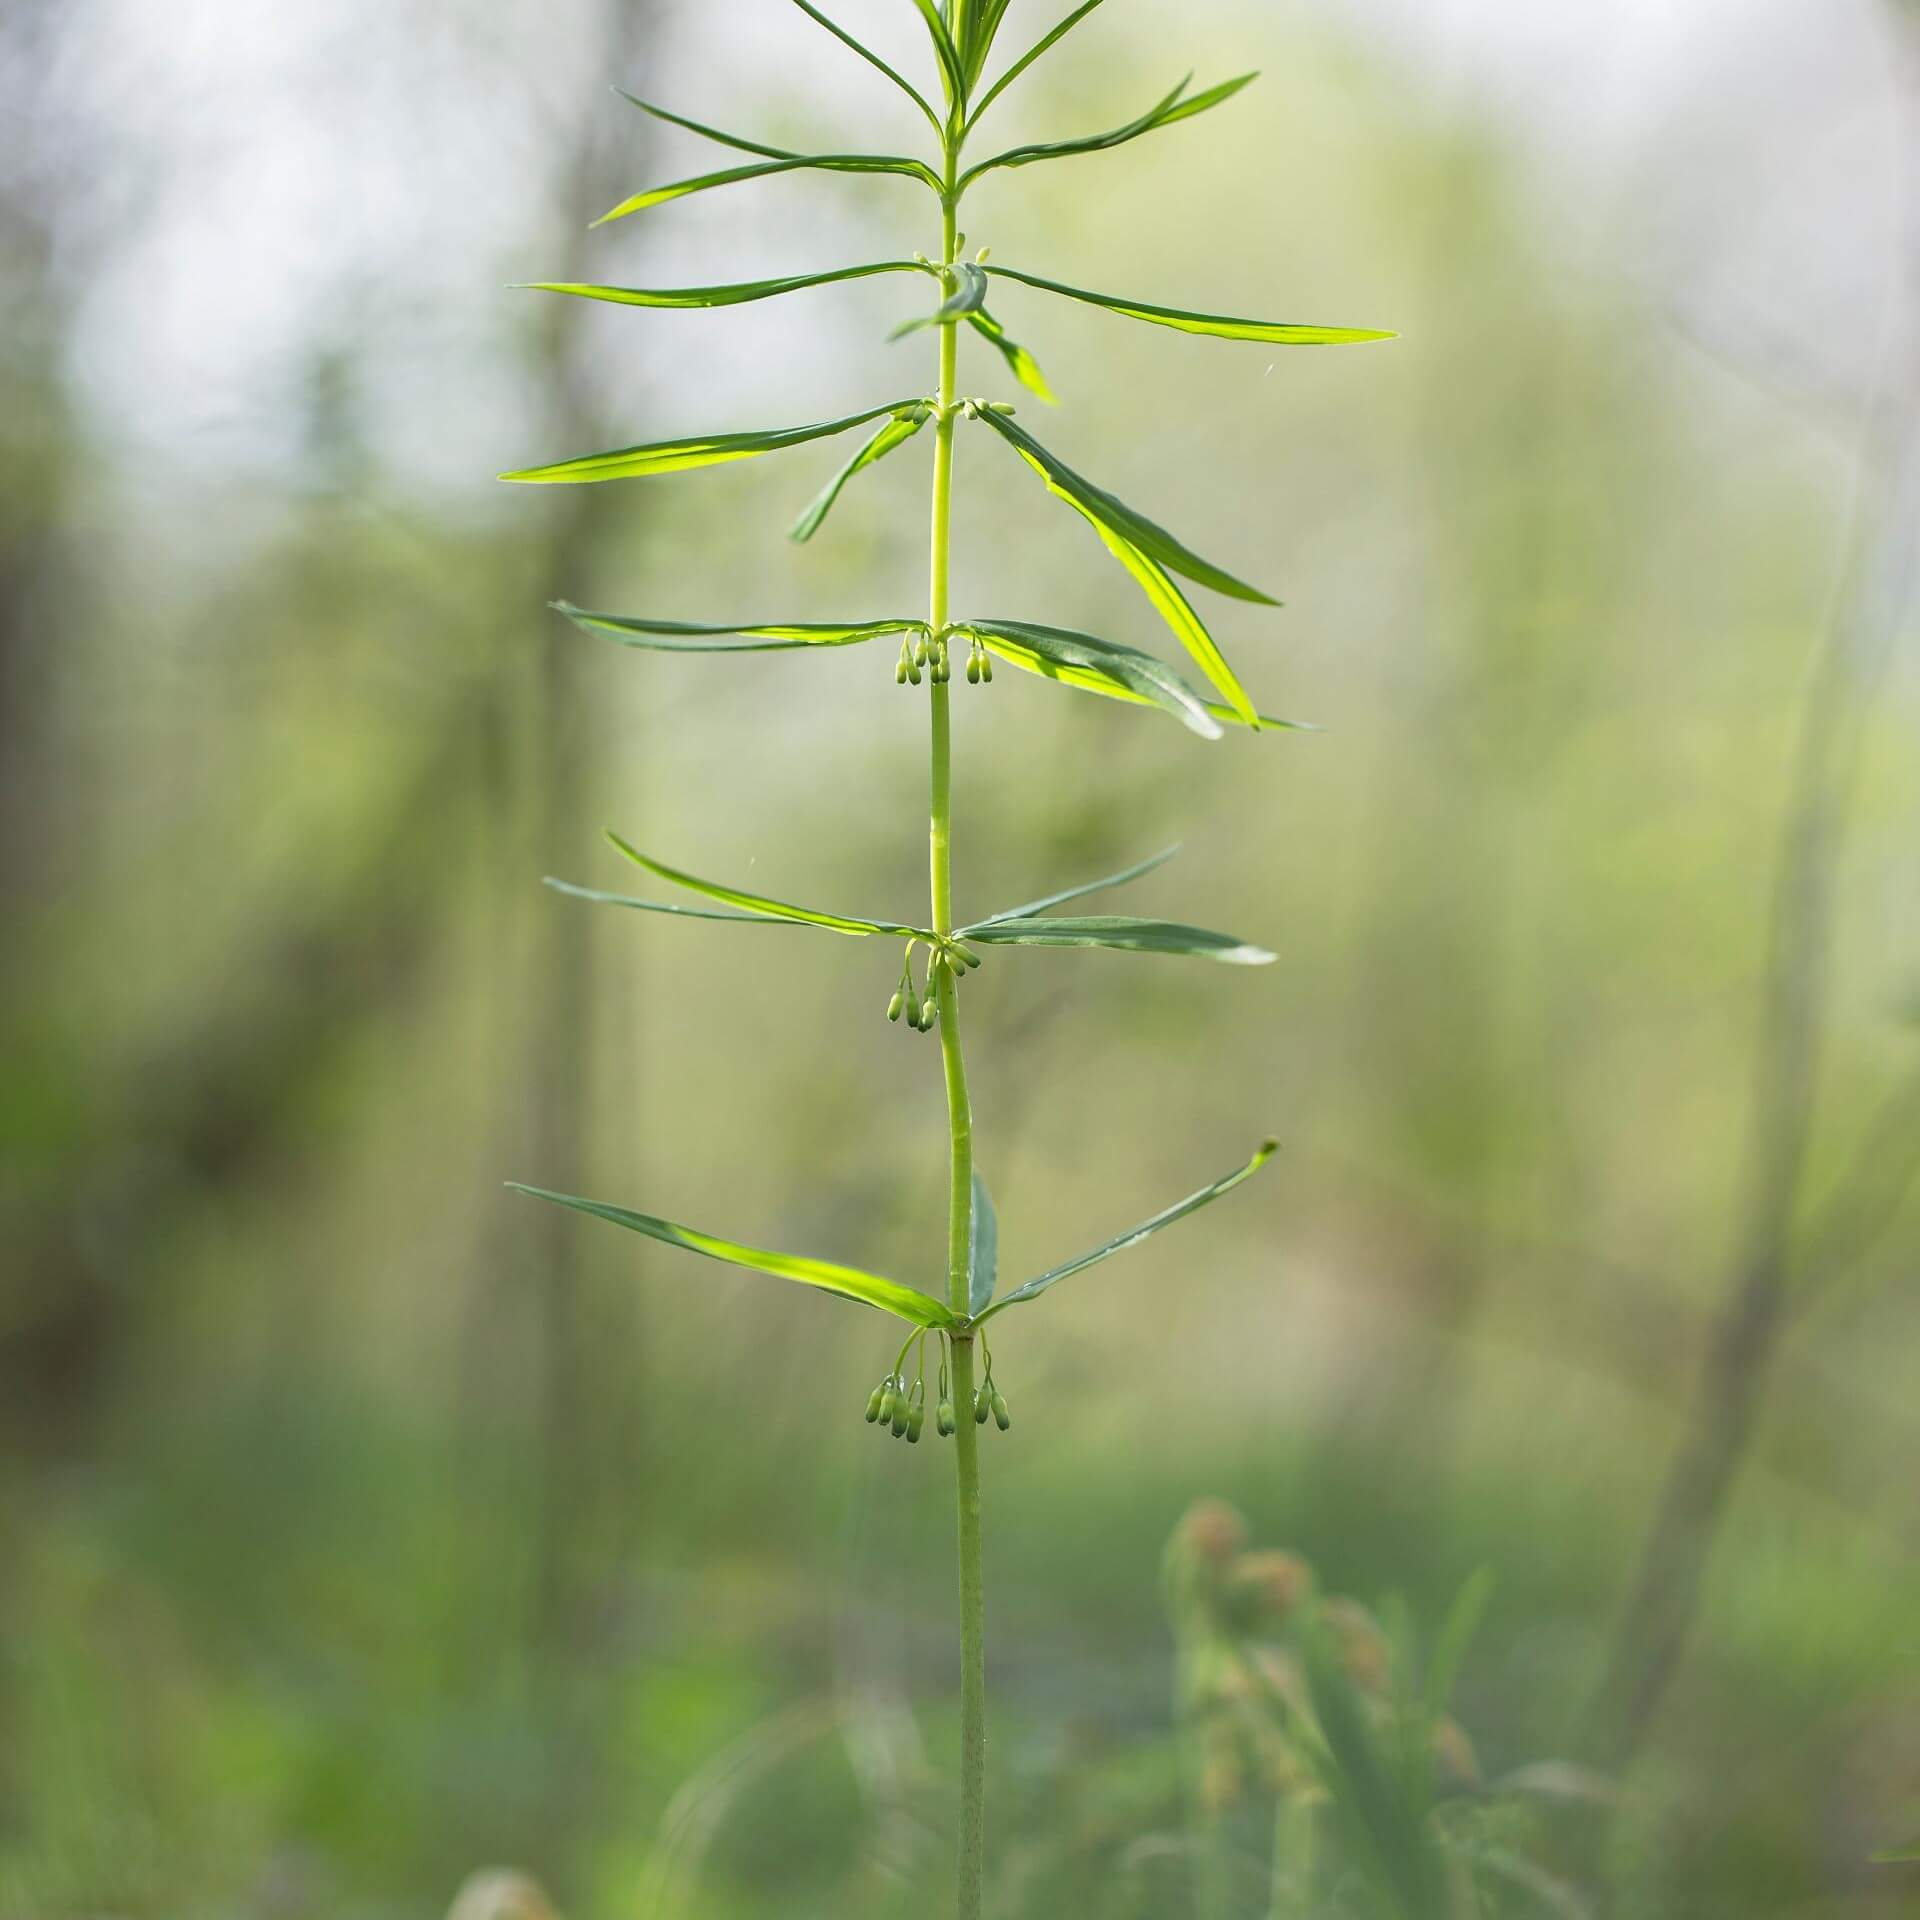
1147	551
1146	1229
896	433
737	294
766	169
1218	326
677	636
983	1250
680	456
1178	105
871	1289
1034	908
1044	45
759	904
1080	660
1123	934
872	59
1026	369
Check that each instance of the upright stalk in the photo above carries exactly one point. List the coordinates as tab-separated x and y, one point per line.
973	1657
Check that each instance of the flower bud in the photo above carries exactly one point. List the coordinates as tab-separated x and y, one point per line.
1270	1585
916	1425
873	1404
981	1411
902	1415
900	673
1212	1533
986	666
889	1400
1001	1417
896	1006
973	669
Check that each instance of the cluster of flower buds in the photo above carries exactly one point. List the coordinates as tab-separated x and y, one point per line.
920	1007
979	663
901	1408
921	656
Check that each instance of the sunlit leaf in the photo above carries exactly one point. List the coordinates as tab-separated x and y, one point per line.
679	456
677	636
890	1296
766	169
738	294
1147	1228
983	1250
953	77
1121	933
974	24
896	433
1218	326
759	903
965	299
600	898
867	54
1048	902
1026	369
738	141
1178	105
1147	551
1043	45
1081	660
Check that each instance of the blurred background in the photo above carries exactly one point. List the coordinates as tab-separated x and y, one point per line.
360	1526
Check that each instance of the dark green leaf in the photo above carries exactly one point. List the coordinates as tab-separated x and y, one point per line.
1101	666
739	294
1273	332
1121	933
983	1250
896	433
733	176
1191	1204
1178	105
600	899
1044	45
759	903
738	141
867	54
890	1296
1147	551
1046	904
679	456
965	299
1026	369
676	636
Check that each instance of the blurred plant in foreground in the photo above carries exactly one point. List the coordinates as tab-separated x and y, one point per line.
1309	1711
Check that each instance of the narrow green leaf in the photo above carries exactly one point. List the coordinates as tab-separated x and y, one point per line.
1147	551
1123	934
1178	105
896	433
738	141
890	1296
1044	45
1219	326
965	299
872	59
679	456
953	77
682	298
1046	904
974	23
1147	1228
677	636
983	1250
1456	1636
759	903
766	169
1081	660
1026	369
600	899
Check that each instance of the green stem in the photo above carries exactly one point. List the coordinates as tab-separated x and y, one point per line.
973	1660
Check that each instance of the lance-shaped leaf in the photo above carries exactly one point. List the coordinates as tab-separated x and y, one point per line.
896	433
755	903
1147	551
1146	1229
953	79
872	59
871	1289
679	456
678	636
983	1250
1048	902
1043	45
968	297
735	295
1080	660
1026	369
1218	326
1121	933
974	24
1178	105
766	169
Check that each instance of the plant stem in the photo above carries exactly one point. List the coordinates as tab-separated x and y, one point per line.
973	1662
